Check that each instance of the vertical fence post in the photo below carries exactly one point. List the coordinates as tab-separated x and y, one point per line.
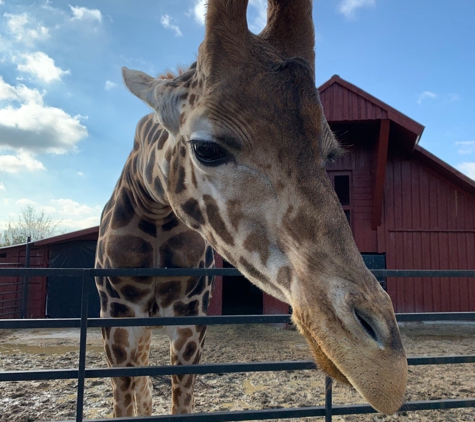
328	399
24	300
82	346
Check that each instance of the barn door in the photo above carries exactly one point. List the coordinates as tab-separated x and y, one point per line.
64	293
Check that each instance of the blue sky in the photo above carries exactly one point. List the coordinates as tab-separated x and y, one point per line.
67	121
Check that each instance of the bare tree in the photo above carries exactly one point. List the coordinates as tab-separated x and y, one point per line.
31	223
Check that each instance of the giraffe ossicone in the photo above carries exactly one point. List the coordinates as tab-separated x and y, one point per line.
233	158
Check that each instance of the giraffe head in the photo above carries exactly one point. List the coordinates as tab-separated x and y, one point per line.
244	165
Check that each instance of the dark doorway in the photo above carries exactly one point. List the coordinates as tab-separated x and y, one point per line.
240	296
64	293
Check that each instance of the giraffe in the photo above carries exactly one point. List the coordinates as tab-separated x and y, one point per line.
233	158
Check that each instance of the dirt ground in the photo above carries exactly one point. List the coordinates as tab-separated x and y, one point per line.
58	349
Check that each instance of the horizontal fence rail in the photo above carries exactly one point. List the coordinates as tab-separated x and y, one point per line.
176	272
82	373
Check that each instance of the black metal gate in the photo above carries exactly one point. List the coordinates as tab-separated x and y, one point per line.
81	373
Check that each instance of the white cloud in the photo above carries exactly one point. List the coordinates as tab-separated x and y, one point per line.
109	85
468	169
28	126
349	7
41	66
165	20
23	161
425	95
72	208
2	187
25	29
465	147
76	216
69	214
85	14
199	11
25	201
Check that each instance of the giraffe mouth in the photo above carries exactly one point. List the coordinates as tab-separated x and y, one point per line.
322	360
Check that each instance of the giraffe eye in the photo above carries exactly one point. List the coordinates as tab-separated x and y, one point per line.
209	153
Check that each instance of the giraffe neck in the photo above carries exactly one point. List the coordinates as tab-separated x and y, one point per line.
145	176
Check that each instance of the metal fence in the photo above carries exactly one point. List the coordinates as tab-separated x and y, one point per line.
81	373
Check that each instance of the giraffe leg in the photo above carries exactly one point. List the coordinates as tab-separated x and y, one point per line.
186	345
143	385
129	347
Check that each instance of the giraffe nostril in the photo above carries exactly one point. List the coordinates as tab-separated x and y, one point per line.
366	324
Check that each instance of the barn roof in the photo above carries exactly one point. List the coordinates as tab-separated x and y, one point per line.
90	233
345	102
444	169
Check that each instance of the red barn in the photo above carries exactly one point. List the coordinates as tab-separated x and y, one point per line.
402	202
56	297
407	209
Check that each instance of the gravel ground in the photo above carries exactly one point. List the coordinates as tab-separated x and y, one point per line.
57	349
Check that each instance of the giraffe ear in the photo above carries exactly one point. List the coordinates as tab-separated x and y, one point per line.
159	94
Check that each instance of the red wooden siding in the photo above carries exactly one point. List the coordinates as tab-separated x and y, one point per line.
13	291
340	104
429	224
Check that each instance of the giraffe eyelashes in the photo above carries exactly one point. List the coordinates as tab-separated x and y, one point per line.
209	153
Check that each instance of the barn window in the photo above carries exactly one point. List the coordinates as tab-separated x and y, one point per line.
342	184
342	188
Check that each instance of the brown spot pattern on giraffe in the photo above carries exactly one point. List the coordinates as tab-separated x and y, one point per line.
133	294
170	224
103	299
111	291
168	292
190	350
119	354
148	228
186	309
180	184
126	383
182	250
123	211
162	139
216	221
195	286
127	400
158	187
257	241
120	310
184	334
235	214
192	209
134	250
121	336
